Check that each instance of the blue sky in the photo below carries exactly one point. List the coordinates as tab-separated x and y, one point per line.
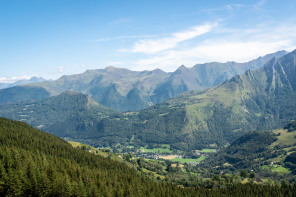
51	38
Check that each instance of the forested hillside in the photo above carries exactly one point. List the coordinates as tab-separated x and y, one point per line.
264	153
34	163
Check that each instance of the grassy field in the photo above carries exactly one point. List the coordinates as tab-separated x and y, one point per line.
157	150
287	138
279	169
207	150
169	157
93	150
130	147
184	160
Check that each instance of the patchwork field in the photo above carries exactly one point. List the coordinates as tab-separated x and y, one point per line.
169	157
185	160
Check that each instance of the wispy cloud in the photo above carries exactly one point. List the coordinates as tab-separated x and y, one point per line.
13	79
123	37
259	4
61	69
239	45
227	8
151	46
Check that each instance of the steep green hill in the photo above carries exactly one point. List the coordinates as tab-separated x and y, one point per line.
34	163
62	115
125	90
256	100
258	151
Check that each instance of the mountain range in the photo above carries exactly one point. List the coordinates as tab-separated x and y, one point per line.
258	99
125	90
23	81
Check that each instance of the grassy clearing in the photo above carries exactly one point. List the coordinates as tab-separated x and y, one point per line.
281	170
286	138
277	168
154	173
130	146
93	149
157	150
186	160
175	165
169	157
207	150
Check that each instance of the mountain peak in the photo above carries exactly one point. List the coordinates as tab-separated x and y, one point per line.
182	67
69	92
158	71
110	68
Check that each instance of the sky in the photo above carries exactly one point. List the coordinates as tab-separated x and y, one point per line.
51	38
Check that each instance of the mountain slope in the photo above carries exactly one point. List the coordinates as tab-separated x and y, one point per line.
257	100
34	163
62	115
125	90
206	75
258	151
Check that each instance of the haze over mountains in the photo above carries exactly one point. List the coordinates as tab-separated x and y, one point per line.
125	90
259	99
23	81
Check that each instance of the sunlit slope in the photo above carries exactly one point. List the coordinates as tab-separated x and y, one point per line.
259	99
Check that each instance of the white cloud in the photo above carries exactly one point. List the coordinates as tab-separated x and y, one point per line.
13	79
61	69
238	45
151	46
228	8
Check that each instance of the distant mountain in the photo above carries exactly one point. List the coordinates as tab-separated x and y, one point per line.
206	75
23	81
125	90
259	99
65	114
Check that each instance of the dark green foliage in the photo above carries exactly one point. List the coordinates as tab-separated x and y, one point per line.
291	126
291	158
245	152
33	163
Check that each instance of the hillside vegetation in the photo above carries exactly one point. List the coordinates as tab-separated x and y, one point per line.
34	163
266	153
